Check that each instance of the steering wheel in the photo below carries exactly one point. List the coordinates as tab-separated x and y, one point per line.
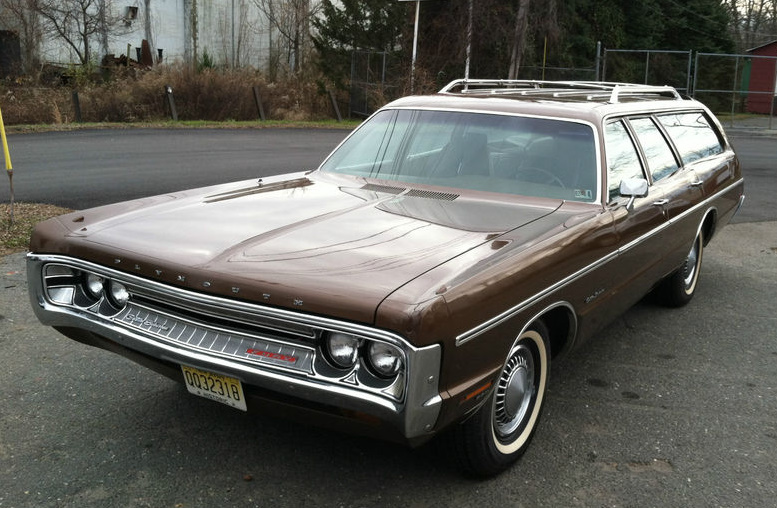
550	178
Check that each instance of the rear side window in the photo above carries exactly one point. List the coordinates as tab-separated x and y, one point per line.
659	155
692	134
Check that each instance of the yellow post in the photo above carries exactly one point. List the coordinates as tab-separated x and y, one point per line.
8	166
6	153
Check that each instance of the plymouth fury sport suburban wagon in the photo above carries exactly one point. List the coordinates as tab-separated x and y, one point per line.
424	276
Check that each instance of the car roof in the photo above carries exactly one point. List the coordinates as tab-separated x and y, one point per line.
567	100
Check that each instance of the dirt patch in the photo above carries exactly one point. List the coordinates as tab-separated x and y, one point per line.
15	237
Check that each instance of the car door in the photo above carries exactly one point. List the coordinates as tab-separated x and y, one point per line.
637	224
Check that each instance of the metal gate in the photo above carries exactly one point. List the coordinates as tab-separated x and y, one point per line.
368	78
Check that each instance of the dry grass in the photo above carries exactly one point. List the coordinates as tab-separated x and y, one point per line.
130	95
16	237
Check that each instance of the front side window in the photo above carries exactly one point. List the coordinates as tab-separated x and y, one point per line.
622	157
477	151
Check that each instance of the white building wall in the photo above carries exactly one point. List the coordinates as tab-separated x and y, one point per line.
169	27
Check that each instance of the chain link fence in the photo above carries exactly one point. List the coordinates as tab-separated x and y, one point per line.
649	67
368	82
740	89
558	73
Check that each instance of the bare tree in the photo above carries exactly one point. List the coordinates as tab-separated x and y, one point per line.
78	22
290	20
20	16
237	27
753	22
519	38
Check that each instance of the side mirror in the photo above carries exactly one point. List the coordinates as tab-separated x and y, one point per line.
633	188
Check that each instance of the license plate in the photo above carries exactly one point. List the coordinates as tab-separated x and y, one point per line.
210	385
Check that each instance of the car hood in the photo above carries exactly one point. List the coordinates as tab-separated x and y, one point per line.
320	243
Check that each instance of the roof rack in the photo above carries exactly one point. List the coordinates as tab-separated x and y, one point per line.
589	90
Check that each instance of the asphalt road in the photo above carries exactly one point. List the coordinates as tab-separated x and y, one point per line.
664	408
82	169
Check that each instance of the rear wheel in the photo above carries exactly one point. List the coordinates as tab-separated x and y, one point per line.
499	433
679	287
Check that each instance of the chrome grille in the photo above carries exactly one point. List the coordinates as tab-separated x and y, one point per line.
225	343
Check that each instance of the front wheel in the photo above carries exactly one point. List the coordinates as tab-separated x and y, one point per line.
500	431
679	287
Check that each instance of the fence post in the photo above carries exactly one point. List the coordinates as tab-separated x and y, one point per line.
171	102
335	106
688	83
76	106
598	61
734	90
774	97
258	101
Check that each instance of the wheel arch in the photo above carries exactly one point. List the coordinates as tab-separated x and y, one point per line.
561	321
709	225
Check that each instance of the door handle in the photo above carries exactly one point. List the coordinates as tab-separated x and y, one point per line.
660	202
697	183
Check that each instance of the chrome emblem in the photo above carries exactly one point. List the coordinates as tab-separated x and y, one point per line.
594	296
141	322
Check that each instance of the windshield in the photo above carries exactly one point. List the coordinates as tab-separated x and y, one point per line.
498	153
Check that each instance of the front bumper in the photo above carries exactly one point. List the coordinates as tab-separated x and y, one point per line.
164	327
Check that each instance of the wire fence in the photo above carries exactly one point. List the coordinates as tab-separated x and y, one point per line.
741	89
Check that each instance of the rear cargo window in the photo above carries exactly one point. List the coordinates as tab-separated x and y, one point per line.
692	134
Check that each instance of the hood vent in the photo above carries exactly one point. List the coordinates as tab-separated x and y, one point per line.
412	193
387	189
441	196
260	188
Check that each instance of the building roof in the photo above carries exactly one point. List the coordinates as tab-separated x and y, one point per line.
761	46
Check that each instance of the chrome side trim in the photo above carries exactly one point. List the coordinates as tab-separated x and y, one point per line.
509	313
504	316
739	205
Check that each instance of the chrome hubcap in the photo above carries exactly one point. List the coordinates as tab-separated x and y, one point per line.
691	262
515	392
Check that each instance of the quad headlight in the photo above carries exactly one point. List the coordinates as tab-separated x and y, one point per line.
94	285
380	360
118	294
384	359
84	289
342	349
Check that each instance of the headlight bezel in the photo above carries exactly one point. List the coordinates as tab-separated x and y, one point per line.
365	360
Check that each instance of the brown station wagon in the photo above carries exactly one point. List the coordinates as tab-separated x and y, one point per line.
424	276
